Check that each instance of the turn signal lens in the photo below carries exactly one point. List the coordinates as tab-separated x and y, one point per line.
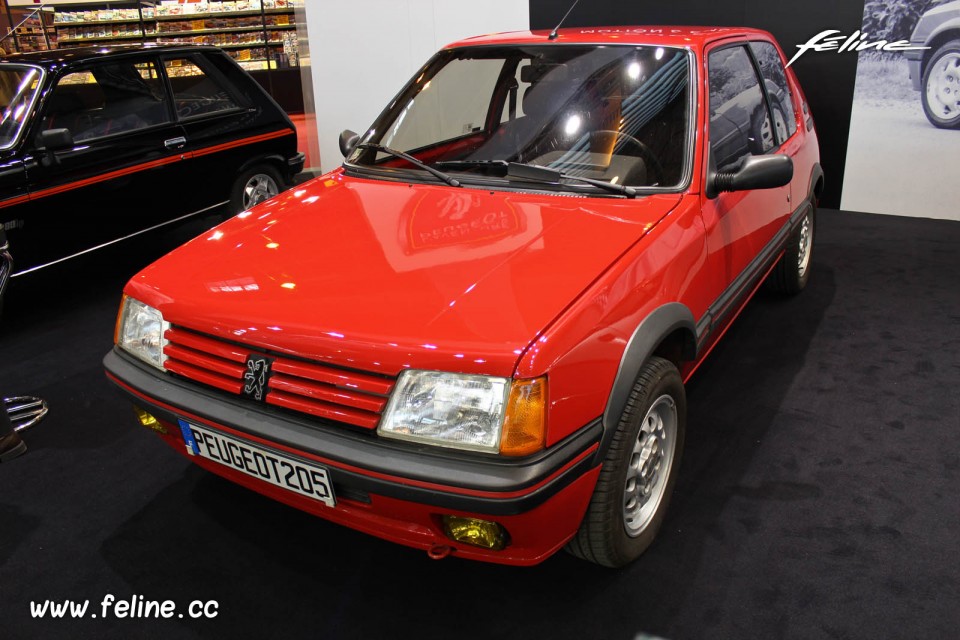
524	427
477	533
149	421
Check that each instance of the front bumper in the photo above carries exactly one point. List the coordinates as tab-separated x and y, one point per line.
393	490
914	61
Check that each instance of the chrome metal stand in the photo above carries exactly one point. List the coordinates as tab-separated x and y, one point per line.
25	411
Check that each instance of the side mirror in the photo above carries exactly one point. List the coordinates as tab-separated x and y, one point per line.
756	172
54	140
348	140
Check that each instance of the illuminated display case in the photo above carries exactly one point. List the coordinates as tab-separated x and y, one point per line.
259	35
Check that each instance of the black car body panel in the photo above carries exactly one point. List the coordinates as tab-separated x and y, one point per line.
158	133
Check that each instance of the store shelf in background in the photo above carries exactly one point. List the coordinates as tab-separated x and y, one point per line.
232	25
29	29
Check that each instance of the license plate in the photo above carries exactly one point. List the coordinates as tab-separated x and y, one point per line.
279	469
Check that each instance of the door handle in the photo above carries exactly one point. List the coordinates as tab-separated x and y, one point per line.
175	142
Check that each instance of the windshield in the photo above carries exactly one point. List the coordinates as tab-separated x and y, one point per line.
618	114
18	89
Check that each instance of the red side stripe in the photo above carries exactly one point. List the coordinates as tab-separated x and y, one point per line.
13	201
146	166
101	178
239	143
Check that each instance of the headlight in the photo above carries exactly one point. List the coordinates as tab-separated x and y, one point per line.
140	330
477	413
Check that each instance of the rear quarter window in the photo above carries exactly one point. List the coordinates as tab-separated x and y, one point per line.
198	88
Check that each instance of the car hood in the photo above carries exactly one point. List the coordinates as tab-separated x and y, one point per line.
382	276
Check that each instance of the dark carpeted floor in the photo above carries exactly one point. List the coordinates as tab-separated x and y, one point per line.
818	496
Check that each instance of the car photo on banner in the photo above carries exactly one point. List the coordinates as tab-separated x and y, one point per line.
101	144
905	125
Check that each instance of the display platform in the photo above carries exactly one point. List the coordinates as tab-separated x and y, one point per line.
817	495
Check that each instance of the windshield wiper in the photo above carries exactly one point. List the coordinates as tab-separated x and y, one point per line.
453	182
536	173
546	174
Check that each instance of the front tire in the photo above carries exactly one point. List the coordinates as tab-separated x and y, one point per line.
941	87
639	471
253	186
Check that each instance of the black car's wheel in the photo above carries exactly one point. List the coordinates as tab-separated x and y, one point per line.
253	186
639	471
941	87
791	274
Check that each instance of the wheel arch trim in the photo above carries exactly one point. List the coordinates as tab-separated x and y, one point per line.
949	30
649	334
816	177
275	160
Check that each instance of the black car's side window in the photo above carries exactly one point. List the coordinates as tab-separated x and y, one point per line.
195	91
739	120
107	99
778	89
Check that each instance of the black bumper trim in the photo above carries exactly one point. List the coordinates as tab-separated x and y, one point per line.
295	164
446	468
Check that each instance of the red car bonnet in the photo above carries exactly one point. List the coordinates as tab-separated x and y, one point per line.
382	276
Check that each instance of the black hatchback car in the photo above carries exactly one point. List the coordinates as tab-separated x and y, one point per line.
101	143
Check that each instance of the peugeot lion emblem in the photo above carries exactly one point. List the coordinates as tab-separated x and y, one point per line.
256	377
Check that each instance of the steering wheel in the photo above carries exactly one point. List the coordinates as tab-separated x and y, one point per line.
655	172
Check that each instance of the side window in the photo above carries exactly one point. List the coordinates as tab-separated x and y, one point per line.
107	99
778	89
447	105
739	122
195	91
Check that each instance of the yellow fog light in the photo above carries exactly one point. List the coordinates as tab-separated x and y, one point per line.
475	532
149	421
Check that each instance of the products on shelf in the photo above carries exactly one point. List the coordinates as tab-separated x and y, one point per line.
97	15
239	26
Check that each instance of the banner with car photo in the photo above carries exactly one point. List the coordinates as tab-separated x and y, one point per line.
904	144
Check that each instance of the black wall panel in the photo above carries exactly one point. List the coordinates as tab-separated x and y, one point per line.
827	78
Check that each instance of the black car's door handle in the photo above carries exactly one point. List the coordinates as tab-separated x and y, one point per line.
175	143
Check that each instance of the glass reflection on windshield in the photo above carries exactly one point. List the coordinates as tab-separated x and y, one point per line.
618	114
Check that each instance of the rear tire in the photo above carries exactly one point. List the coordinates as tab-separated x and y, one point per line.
639	471
253	186
791	274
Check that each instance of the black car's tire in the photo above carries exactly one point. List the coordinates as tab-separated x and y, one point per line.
792	272
623	518
253	186
940	91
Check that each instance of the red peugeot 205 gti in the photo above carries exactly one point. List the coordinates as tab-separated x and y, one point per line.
473	337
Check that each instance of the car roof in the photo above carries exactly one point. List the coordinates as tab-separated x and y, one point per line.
55	57
659	35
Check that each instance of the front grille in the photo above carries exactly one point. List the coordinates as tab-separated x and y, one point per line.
308	387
